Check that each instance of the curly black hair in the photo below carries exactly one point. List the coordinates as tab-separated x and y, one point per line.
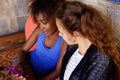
46	7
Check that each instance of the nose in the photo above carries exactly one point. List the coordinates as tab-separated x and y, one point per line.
42	27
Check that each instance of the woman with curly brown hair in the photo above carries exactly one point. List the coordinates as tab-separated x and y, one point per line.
97	54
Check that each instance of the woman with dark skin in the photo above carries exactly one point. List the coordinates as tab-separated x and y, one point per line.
85	26
50	47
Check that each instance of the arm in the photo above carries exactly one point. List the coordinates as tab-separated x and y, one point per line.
56	73
29	43
20	63
32	39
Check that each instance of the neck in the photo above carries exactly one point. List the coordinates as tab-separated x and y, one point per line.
54	33
83	46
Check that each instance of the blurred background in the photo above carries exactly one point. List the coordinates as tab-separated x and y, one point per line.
13	14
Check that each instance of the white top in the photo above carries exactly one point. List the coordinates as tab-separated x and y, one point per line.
72	64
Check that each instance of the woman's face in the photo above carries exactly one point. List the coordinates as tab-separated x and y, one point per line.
69	38
48	26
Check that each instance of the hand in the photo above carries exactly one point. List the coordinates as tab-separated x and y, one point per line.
18	67
19	62
19	59
16	77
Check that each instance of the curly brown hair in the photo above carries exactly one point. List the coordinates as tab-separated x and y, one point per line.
92	24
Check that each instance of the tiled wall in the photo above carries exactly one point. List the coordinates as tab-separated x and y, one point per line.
13	14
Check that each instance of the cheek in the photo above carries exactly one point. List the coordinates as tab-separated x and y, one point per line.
51	26
48	26
70	40
66	38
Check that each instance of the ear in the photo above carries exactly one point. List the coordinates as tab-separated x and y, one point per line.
76	33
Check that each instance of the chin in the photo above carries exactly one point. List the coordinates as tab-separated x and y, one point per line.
47	34
69	43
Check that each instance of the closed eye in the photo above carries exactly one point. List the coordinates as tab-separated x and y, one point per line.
44	21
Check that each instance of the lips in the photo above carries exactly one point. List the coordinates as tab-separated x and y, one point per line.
45	32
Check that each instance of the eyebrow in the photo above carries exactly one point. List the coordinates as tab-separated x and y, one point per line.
42	20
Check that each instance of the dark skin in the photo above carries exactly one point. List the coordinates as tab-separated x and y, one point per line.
50	29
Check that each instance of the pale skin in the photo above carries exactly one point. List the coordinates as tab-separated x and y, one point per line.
52	34
75	38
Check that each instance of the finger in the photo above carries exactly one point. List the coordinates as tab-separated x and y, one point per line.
15	75
24	78
21	77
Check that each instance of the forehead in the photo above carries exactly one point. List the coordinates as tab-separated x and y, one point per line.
60	26
41	17
44	17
